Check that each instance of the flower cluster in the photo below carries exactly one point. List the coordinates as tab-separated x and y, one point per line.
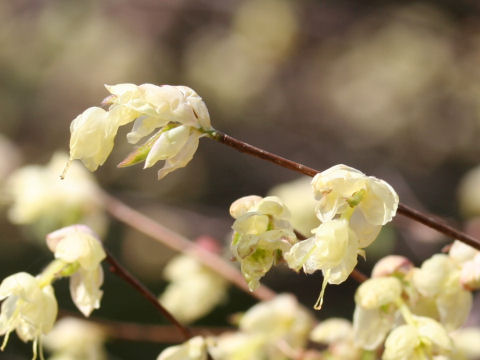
174	118
352	209
262	234
413	311
29	304
41	200
274	329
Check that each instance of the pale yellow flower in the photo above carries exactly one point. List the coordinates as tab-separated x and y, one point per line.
41	200
78	246
29	307
338	334
375	310
418	341
176	115
367	201
76	339
262	233
281	320
333	249
194	290
193	349
438	281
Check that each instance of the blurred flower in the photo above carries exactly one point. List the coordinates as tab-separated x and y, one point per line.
45	202
239	346
466	342
193	349
178	111
191	280
279	321
75	339
438	281
297	196
338	334
262	233
469	193
392	265
425	339
79	247
29	307
375	310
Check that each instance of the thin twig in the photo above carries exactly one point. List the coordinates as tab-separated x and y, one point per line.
120	271
428	220
132	331
175	241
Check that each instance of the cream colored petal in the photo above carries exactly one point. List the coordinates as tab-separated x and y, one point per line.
380	203
332	330
377	292
241	206
251	224
298	255
433	331
92	137
370	327
85	289
168	145
401	343
431	277
182	158
364	230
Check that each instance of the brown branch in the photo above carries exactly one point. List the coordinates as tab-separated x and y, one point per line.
131	331
120	271
175	241
416	215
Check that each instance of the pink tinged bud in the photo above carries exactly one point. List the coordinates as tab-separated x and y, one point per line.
392	265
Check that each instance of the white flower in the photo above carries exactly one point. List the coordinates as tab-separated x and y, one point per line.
438	281
191	280
282	319
176	114
78	246
43	201
193	349
338	334
468	259
29	307
333	249
369	202
425	337
375	310
262	233
76	339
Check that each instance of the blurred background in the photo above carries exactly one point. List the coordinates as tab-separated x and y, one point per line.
391	88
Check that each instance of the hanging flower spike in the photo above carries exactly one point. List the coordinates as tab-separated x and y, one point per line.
367	202
78	247
176	115
262	234
333	249
29	307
